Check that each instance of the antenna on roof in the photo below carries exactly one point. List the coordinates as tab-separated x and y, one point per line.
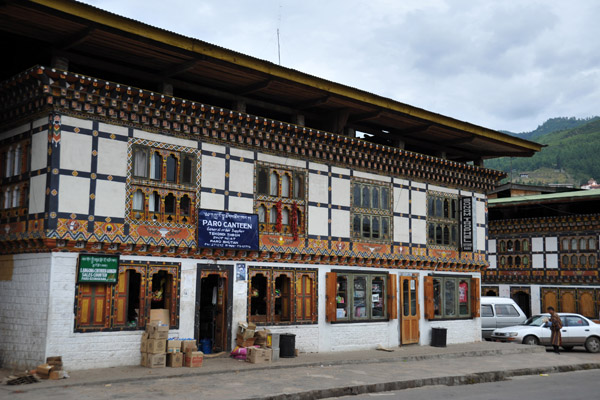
278	26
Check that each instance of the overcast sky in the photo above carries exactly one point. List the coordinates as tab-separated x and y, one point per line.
500	64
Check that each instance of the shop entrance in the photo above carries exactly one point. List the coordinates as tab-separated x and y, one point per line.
409	310
212	327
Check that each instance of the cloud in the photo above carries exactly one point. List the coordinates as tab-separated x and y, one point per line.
503	65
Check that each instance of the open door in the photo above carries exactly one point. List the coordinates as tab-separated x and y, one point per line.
212	327
409	306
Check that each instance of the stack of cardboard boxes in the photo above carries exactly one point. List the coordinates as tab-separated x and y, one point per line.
192	357
52	369
174	354
154	345
261	346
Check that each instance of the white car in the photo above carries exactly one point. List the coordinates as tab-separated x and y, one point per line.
577	330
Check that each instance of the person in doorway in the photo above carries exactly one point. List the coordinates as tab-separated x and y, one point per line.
555	327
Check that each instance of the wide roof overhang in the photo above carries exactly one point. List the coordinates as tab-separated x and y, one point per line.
109	46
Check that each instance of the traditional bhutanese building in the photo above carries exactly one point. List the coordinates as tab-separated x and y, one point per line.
543	251
146	174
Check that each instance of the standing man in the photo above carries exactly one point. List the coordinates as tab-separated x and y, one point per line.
555	327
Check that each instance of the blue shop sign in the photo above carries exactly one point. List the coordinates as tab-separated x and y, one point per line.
226	230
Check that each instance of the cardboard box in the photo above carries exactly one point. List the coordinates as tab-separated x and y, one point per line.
58	374
144	342
156	360
160	315
173	346
247	330
240	341
193	359
156	331
259	356
43	371
175	360
188	345
144	359
156	346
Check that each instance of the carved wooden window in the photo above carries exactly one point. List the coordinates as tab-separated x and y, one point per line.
442	220
450	297
140	288
371	211
282	296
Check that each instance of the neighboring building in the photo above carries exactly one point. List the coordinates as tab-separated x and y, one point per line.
543	251
261	206
592	184
517	189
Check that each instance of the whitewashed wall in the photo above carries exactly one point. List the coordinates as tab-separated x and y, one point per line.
24	312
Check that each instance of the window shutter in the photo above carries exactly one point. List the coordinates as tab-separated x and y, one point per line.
120	300
475	298
392	300
331	289
428	288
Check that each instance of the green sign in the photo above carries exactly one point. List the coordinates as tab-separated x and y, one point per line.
98	268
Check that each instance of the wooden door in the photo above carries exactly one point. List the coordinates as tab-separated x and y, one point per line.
549	299
213	307
409	306
587	307
567	301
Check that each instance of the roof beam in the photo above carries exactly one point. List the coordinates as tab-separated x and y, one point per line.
256	87
180	68
365	116
312	103
75	39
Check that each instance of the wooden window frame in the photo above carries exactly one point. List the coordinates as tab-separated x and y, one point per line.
116	298
298	292
472	295
389	296
379	213
435	221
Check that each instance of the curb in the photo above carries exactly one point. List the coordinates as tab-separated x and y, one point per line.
266	367
453	380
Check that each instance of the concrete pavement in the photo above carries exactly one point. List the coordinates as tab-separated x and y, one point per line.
315	375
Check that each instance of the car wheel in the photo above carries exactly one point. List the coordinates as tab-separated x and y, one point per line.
592	344
568	348
531	340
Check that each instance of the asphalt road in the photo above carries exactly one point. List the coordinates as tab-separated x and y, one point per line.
582	385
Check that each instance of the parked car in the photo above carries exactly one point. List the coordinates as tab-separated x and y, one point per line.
499	312
577	330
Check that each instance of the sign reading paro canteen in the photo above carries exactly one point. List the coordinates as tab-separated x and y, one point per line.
98	268
226	230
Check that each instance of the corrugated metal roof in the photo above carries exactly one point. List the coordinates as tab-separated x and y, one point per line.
540	198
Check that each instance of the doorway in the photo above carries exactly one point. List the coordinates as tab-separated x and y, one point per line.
214	288
523	300
409	306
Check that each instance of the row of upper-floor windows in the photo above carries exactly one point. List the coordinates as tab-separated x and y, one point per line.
11	197
513	245
579	243
14	160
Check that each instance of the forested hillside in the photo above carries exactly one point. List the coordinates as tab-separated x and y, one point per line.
575	151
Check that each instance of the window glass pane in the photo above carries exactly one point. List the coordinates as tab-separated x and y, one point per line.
273	215
262	214
454	235
446	208
573	244
283	298
298	186
154	202
258	295
509	245
502	261
377	297
525	260
449	298
9	164
582	244
592	261
15	197
366	197
565	260
438	235
432	233
565	244
405	299
413	298
375	228
385	199
517	245
385	227
509	260
356	225
592	244
156	166
262	181
437	297
517	260
341	297
359	301
285	185
274	184
439	208
525	245
184	205
356	196
140	163
366	227
573	260
463	297
138	200
454	203
186	170
171	168
285	216
375	197
506	310
431	206
446	235
582	260
486	310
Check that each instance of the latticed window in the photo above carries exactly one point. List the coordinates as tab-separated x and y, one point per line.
280	200
371	211
442	220
163	186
